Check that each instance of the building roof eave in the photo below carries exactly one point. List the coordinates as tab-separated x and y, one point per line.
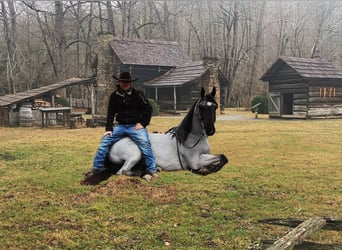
29	94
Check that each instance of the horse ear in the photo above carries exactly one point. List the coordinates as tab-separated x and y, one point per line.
213	92
202	92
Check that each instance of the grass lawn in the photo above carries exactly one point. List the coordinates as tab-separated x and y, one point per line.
277	168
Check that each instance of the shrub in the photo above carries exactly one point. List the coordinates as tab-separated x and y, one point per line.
63	102
263	107
154	106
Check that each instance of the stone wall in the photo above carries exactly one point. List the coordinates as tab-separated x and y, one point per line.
105	71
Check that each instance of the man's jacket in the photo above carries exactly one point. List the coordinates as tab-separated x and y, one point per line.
129	108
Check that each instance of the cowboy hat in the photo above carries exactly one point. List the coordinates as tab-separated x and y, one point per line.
124	77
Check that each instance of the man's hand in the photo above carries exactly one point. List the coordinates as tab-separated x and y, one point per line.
138	126
107	133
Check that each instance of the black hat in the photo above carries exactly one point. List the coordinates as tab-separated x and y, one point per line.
125	77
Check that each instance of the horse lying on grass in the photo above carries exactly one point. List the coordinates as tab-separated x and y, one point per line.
184	147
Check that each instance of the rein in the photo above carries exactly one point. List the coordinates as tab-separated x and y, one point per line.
172	131
179	158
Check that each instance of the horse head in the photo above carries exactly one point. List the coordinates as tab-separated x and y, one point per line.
207	110
201	117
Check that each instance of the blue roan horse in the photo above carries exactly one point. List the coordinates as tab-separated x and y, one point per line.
184	147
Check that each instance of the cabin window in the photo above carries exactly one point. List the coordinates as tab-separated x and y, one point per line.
327	92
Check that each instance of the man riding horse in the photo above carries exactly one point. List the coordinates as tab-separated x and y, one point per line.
133	113
184	147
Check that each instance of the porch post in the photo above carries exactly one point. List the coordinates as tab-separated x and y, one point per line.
156	94
53	99
70	95
92	99
174	99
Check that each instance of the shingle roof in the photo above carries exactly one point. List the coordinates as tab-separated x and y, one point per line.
15	98
179	76
306	68
149	52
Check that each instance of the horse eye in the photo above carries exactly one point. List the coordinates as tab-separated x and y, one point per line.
209	104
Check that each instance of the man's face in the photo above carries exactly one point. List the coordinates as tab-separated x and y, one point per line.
125	86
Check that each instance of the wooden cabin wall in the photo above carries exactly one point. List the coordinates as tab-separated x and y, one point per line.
287	81
325	99
4	117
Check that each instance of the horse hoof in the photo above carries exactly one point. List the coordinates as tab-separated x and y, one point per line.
147	177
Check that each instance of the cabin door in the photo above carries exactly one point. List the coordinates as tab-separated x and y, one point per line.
287	107
274	104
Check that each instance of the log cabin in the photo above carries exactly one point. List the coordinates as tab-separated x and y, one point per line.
304	88
164	72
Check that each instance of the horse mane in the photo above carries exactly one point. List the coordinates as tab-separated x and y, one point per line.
182	131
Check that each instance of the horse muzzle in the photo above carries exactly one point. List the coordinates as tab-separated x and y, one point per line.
212	168
210	131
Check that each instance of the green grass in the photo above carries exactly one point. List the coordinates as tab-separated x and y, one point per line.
277	168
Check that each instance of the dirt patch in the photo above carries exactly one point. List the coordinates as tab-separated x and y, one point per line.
123	186
7	157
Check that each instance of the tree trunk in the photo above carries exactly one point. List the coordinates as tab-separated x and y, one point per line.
60	40
232	65
110	27
10	34
252	77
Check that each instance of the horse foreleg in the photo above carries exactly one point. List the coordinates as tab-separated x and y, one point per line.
127	167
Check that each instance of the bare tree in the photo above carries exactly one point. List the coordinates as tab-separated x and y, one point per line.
232	53
10	35
328	19
60	40
251	83
126	8
111	27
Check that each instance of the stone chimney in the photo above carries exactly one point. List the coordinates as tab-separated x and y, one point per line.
213	64
105	71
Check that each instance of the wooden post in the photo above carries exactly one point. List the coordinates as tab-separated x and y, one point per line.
43	119
70	96
53	104
174	99
92	99
298	234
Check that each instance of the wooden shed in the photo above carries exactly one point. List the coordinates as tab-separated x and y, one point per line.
304	88
10	104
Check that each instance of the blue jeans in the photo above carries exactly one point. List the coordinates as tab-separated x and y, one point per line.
141	139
